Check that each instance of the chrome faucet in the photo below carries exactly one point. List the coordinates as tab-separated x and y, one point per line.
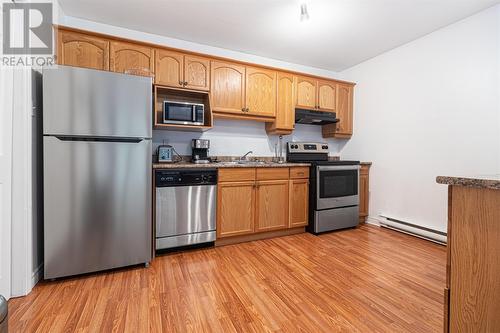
244	157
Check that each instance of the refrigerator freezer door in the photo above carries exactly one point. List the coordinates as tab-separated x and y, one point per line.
97	205
87	102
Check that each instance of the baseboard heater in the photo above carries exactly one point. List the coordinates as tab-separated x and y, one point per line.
413	229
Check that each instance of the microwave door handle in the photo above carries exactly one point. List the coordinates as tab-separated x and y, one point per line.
193	116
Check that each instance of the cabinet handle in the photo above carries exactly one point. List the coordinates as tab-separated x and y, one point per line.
181	83
300	173
248	109
243	109
185	83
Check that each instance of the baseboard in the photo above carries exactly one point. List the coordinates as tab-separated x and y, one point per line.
372	220
37	275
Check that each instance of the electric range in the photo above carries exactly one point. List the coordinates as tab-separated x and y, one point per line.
333	189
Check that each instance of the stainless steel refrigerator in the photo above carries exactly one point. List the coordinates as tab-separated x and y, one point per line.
97	129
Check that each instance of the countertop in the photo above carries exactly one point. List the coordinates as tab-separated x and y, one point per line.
482	181
187	165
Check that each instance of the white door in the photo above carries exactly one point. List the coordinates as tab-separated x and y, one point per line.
6	100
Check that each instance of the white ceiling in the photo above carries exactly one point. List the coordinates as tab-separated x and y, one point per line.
338	35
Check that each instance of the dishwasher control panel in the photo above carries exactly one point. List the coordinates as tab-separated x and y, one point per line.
176	177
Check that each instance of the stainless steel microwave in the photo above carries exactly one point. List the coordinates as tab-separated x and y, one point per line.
184	113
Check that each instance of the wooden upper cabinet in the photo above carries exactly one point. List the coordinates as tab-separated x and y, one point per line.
299	202
175	69
271	204
344	110
80	50
227	87
235	208
169	68
260	92
131	57
285	106
326	95
196	73
306	93
344	113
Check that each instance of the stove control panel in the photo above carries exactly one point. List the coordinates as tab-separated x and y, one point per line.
307	147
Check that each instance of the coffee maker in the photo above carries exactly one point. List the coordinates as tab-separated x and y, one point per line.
199	153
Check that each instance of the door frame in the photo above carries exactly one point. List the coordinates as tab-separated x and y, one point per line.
6	109
26	225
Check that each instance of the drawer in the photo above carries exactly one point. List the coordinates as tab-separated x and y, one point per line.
299	172
236	174
272	173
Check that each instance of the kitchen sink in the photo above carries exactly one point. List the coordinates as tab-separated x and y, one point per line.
245	162
251	162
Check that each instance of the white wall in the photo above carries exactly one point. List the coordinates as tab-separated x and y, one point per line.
235	138
428	108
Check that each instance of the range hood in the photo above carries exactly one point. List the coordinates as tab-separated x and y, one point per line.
312	117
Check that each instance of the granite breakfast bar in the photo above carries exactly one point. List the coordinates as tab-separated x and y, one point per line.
472	293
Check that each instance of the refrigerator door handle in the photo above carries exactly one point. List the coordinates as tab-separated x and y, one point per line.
98	139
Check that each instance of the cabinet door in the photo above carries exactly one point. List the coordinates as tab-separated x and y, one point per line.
344	110
227	87
271	205
285	111
326	95
169	68
306	93
299	202
363	193
235	208
260	92
75	49
126	57
196	73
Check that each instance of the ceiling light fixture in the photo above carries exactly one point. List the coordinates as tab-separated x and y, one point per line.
304	15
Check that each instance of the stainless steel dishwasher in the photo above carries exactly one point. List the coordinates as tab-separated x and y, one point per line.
185	206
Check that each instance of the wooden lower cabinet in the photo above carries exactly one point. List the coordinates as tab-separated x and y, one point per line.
472	294
262	204
271	205
364	191
235	208
299	202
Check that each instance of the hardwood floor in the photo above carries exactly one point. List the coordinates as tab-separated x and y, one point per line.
362	280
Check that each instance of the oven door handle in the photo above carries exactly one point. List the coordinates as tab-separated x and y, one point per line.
338	167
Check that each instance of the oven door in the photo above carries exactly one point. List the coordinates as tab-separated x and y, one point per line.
337	186
179	113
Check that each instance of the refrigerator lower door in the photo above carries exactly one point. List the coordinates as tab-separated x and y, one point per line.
97	205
